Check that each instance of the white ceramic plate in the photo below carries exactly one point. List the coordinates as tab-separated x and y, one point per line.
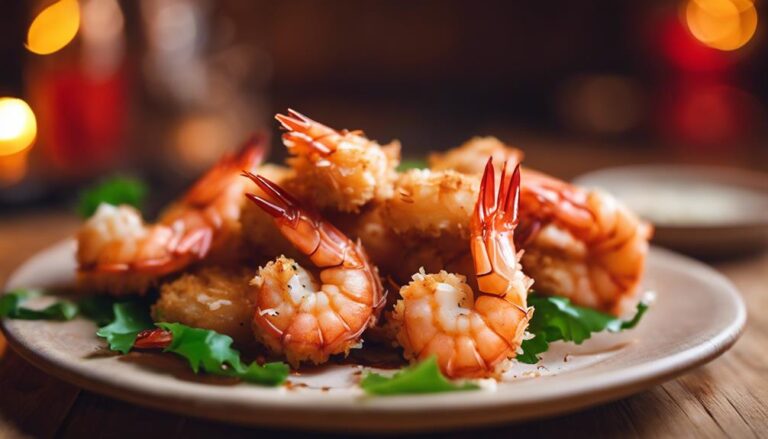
708	211
698	314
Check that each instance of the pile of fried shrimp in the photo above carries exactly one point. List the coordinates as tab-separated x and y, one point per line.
309	259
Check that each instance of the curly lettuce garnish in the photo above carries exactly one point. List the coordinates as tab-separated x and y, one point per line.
556	318
212	353
130	318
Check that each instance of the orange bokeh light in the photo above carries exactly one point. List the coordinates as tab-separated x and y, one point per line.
721	24
18	126
18	129
54	27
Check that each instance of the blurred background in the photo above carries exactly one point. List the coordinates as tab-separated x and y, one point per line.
159	89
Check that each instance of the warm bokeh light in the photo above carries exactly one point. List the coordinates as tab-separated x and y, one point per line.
18	129
54	27
721	24
102	36
601	104
200	139
18	126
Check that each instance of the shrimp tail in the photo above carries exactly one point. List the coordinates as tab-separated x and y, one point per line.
157	338
249	155
285	205
301	130
506	202
294	121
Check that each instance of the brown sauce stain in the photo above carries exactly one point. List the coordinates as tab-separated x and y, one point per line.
101	352
290	385
177	367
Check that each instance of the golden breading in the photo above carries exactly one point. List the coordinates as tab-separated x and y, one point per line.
210	298
431	203
471	157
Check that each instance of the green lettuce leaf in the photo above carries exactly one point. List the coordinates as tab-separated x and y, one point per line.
556	318
424	377
130	318
11	307
212	353
115	191
412	164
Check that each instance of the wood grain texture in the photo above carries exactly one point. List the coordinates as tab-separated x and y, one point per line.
724	398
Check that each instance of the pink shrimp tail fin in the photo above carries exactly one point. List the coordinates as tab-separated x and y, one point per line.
294	121
507	200
304	131
253	151
157	338
249	156
283	205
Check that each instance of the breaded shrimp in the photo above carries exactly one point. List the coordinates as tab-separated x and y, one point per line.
339	169
582	244
119	254
440	316
297	315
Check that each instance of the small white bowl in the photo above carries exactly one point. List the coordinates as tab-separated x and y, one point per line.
706	211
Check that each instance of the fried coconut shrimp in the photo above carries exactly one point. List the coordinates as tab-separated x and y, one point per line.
439	315
210	298
431	203
470	158
582	244
303	317
339	169
119	253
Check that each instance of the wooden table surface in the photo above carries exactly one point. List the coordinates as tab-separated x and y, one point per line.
727	397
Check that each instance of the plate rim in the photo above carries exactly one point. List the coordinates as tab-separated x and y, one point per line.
723	175
579	393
